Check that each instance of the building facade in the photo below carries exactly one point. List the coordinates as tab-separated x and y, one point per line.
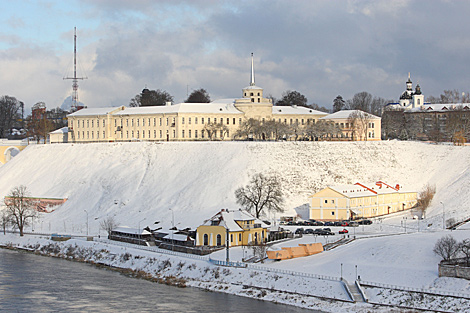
336	203
356	125
218	120
241	227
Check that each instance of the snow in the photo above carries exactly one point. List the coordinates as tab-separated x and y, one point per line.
344	114
138	183
296	110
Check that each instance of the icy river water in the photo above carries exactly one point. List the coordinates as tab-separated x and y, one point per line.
31	283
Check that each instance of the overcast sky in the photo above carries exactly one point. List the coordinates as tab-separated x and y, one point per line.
319	48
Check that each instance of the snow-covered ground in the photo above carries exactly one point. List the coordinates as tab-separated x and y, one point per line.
138	184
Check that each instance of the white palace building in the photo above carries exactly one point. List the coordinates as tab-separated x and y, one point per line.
184	121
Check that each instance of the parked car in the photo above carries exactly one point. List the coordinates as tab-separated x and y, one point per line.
338	223
345	223
327	229
318	223
308	231
365	222
328	224
354	224
344	231
299	231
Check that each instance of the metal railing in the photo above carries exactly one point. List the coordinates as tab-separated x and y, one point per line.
294	273
225	263
438	292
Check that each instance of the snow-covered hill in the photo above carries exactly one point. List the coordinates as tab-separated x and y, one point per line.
139	183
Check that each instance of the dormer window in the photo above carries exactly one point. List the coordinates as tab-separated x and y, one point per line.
251	94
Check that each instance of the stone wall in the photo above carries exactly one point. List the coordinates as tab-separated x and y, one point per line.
447	269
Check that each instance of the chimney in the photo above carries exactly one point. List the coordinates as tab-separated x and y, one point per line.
168	103
397	187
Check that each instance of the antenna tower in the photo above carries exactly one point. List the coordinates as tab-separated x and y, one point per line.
75	78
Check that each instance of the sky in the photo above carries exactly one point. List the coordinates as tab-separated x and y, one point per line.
317	47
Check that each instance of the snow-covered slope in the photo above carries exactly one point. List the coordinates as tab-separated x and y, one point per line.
139	183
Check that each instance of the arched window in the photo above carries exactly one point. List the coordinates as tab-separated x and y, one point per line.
206	239
219	240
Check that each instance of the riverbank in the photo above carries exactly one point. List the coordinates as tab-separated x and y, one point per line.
187	272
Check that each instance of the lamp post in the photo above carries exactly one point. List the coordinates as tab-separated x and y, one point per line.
86	221
356	272
443	216
172	226
341	271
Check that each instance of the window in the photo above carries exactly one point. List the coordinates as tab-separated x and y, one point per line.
251	94
332	212
160	121
252	99
189	120
132	134
258	94
239	121
149	133
155	121
195	120
221	121
104	134
97	135
132	124
161	135
137	132
202	120
83	123
127	122
195	133
231	237
143	122
332	201
87	135
182	120
206	239
155	134
143	134
92	123
221	133
227	134
189	133
174	133
233	121
127	134
182	134
326	201
259	100
167	121
78	133
240	237
302	121
219	240
137	123
228	121
202	133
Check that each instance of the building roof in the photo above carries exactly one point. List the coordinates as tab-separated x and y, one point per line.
296	110
228	219
93	111
133	231
441	107
359	190
344	114
63	130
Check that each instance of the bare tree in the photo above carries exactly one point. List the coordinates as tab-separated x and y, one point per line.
9	107
212	129
263	193
464	247
425	197
446	247
108	224
4	220
20	208
359	122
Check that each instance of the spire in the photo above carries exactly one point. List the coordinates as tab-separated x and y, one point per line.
409	77
252	81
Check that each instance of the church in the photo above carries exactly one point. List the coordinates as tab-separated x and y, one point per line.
217	120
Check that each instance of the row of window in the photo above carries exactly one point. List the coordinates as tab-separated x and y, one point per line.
219	238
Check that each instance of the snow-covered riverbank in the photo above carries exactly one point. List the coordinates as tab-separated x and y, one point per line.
194	271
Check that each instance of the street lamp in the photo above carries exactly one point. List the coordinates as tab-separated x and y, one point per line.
443	216
356	272
341	271
172	227
86	221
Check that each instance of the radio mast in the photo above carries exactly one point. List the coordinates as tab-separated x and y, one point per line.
75	78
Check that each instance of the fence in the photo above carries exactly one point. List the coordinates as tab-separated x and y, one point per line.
294	273
438	292
225	263
153	249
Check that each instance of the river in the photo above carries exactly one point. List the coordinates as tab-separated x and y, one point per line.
32	283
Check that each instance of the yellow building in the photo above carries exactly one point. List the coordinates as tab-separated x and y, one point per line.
360	201
356	125
10	148
242	228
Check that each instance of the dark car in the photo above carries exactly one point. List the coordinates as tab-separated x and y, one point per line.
308	231
299	231
365	222
328	224
338	223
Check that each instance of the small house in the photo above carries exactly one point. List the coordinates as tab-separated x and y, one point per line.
241	227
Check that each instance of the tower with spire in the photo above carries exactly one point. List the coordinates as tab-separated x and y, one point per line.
410	99
252	101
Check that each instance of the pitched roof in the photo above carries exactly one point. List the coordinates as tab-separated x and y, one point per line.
228	219
296	110
358	190
344	114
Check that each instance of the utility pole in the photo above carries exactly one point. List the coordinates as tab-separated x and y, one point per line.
227	245
75	78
